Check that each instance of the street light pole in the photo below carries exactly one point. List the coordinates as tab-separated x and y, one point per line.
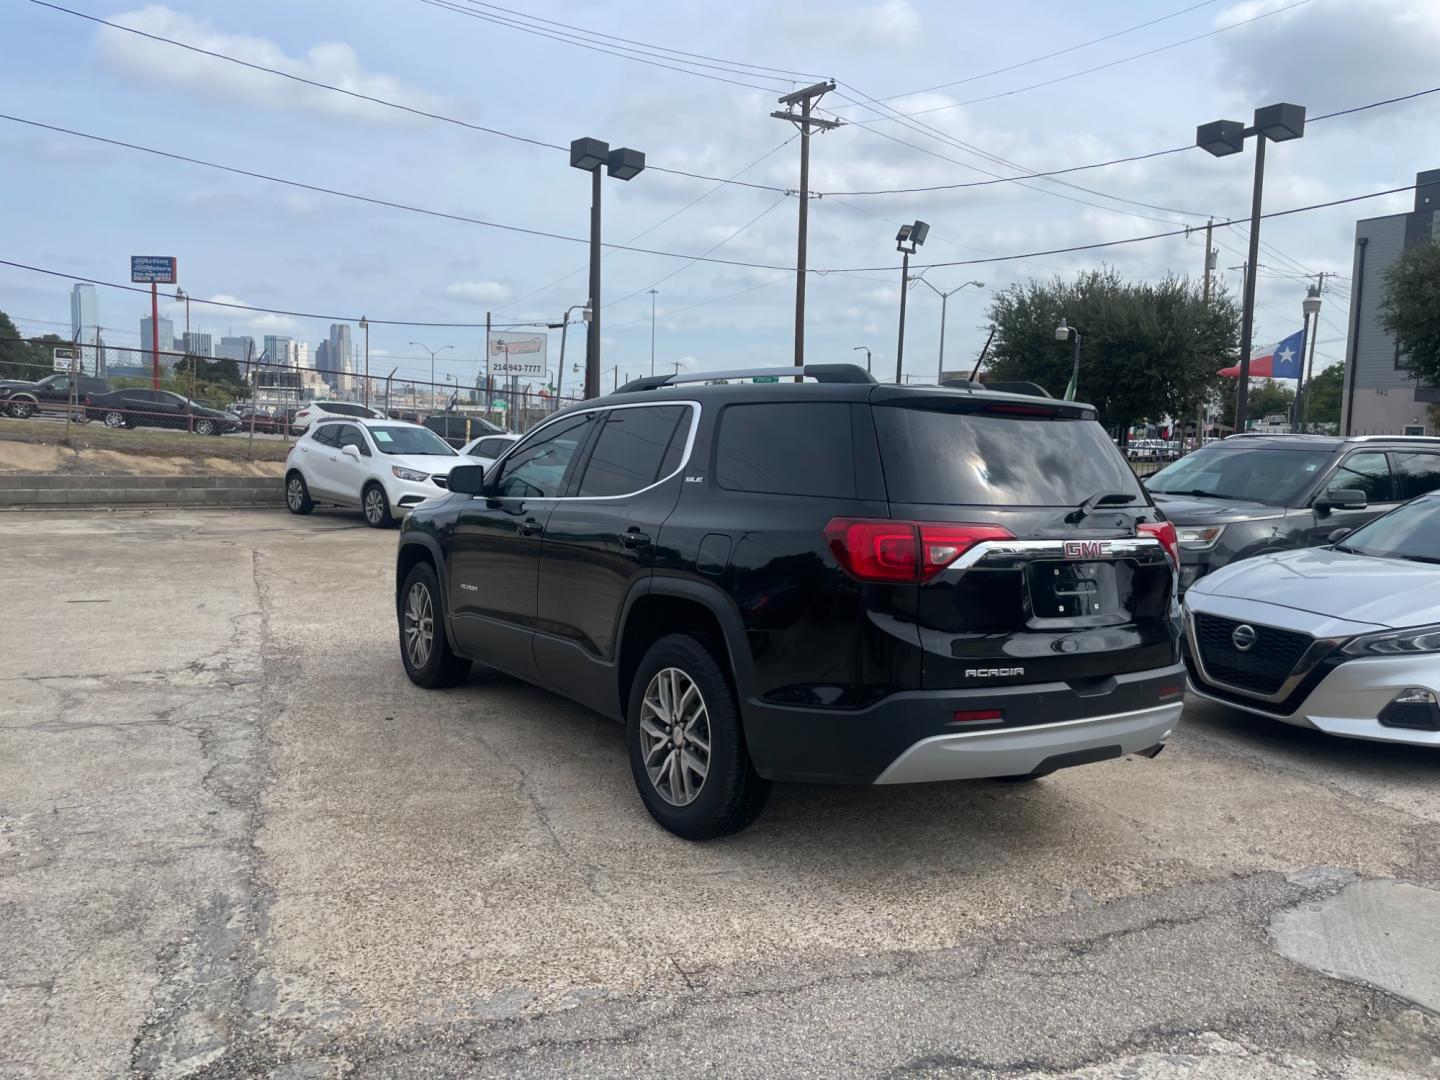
622	164
944	300
907	240
181	294
1066	332
564	325
1310	307
434	353
1273	123
652	332
857	348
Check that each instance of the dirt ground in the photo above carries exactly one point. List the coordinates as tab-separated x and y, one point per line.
36	446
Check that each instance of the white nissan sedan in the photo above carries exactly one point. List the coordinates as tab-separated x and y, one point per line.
383	467
1344	639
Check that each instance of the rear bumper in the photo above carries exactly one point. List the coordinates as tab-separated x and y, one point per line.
974	755
1041	721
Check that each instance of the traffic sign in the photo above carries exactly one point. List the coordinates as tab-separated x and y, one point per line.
766	378
153	269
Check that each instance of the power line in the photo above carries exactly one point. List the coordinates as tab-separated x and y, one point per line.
1052	55
1112	63
374	201
250	307
372	99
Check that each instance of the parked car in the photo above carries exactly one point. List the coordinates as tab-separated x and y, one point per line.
22	398
266	421
1343	638
834	581
158	408
487	449
311	411
458	428
384	467
1252	495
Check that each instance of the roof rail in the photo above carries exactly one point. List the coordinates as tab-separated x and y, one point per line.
825	373
1393	438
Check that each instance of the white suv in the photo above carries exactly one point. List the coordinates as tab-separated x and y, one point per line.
384	467
488	449
318	410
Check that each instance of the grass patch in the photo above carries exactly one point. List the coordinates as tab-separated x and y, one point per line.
148	442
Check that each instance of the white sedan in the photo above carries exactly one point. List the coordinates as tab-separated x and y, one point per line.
383	467
487	449
1344	639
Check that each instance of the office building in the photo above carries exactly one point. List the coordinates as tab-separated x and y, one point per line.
167	343
198	344
300	353
337	353
278	349
1381	396
238	349
85	327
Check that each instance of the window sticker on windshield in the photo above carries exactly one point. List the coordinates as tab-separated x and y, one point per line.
382	436
1312	466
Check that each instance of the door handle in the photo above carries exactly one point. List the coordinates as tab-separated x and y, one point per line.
634	538
531	527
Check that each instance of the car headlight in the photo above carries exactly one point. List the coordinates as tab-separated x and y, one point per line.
1198	536
410	474
1417	639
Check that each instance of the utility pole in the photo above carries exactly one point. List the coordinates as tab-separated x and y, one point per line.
1311	309
1209	259
804	122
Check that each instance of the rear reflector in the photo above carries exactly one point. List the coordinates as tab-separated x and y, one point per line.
978	716
885	550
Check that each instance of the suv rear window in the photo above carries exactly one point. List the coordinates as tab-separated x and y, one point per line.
631	449
790	448
975	459
341	408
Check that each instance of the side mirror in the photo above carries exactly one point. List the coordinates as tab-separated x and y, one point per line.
467	479
1342	499
1338	535
351	451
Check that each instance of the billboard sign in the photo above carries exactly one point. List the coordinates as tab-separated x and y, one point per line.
153	269
518	354
64	358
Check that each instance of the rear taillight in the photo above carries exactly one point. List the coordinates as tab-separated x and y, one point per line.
903	551
1163	531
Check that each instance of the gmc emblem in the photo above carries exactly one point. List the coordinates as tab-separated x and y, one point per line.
1087	549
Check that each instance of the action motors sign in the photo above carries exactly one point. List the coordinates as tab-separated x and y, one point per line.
518	354
153	269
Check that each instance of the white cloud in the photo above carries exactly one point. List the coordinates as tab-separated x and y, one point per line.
1331	54
260	322
334	63
484	292
888	24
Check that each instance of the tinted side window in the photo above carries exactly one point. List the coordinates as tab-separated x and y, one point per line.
1417	474
537	469
350	435
787	448
1369	473
630	450
324	434
490	448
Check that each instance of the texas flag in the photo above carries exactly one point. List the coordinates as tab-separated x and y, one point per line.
1281	362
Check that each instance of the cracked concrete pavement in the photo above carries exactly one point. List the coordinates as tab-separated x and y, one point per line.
236	842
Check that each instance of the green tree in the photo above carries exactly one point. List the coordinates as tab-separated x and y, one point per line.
26	358
1410	309
1325	393
1149	350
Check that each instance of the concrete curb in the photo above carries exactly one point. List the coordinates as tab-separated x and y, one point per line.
44	491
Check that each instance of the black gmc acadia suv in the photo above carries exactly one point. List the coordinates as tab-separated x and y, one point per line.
830	580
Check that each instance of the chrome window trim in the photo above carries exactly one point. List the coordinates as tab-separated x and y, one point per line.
568	414
1317	650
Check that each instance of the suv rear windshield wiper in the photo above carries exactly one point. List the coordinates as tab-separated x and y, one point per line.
1100	498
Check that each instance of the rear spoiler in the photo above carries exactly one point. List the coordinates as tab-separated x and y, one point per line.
1028	389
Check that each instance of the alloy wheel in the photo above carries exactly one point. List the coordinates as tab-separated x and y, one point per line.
675	736
419	625
374	505
294	493
114	420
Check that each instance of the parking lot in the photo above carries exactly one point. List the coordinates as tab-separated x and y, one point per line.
236	841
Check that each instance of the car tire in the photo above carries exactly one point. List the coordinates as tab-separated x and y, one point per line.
22	408
429	661
206	426
729	794
297	494
115	420
375	505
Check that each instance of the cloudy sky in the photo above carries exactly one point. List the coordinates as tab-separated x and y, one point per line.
983	101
